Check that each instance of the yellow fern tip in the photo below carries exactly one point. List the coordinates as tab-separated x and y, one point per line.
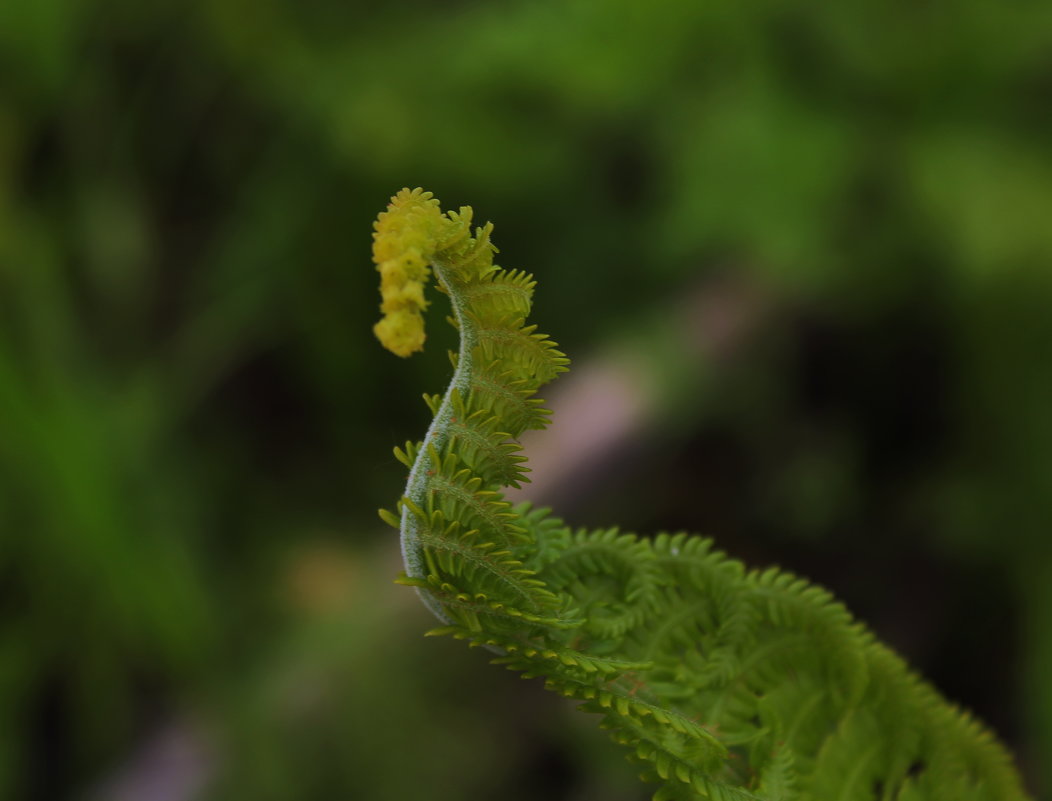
404	241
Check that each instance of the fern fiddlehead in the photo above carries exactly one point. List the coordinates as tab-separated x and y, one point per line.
726	683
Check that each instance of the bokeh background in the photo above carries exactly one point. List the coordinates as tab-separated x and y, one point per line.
801	255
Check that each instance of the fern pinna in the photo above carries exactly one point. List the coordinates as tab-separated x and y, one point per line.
726	683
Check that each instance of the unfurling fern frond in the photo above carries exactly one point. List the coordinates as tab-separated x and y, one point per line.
727	684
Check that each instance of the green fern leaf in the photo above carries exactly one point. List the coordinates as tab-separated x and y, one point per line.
727	684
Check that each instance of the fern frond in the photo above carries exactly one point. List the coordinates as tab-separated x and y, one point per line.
725	683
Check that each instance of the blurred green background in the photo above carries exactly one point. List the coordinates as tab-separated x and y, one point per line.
809	245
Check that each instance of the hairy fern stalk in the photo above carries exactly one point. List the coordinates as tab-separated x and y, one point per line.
726	683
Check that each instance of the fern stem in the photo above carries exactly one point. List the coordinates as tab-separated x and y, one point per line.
418	485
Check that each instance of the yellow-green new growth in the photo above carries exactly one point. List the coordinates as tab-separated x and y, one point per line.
404	241
727	683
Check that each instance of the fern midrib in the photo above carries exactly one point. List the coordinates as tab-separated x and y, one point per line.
419	483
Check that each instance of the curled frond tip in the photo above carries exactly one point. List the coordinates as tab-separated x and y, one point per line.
404	240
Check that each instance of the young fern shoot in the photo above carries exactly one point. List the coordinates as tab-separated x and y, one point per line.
726	683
